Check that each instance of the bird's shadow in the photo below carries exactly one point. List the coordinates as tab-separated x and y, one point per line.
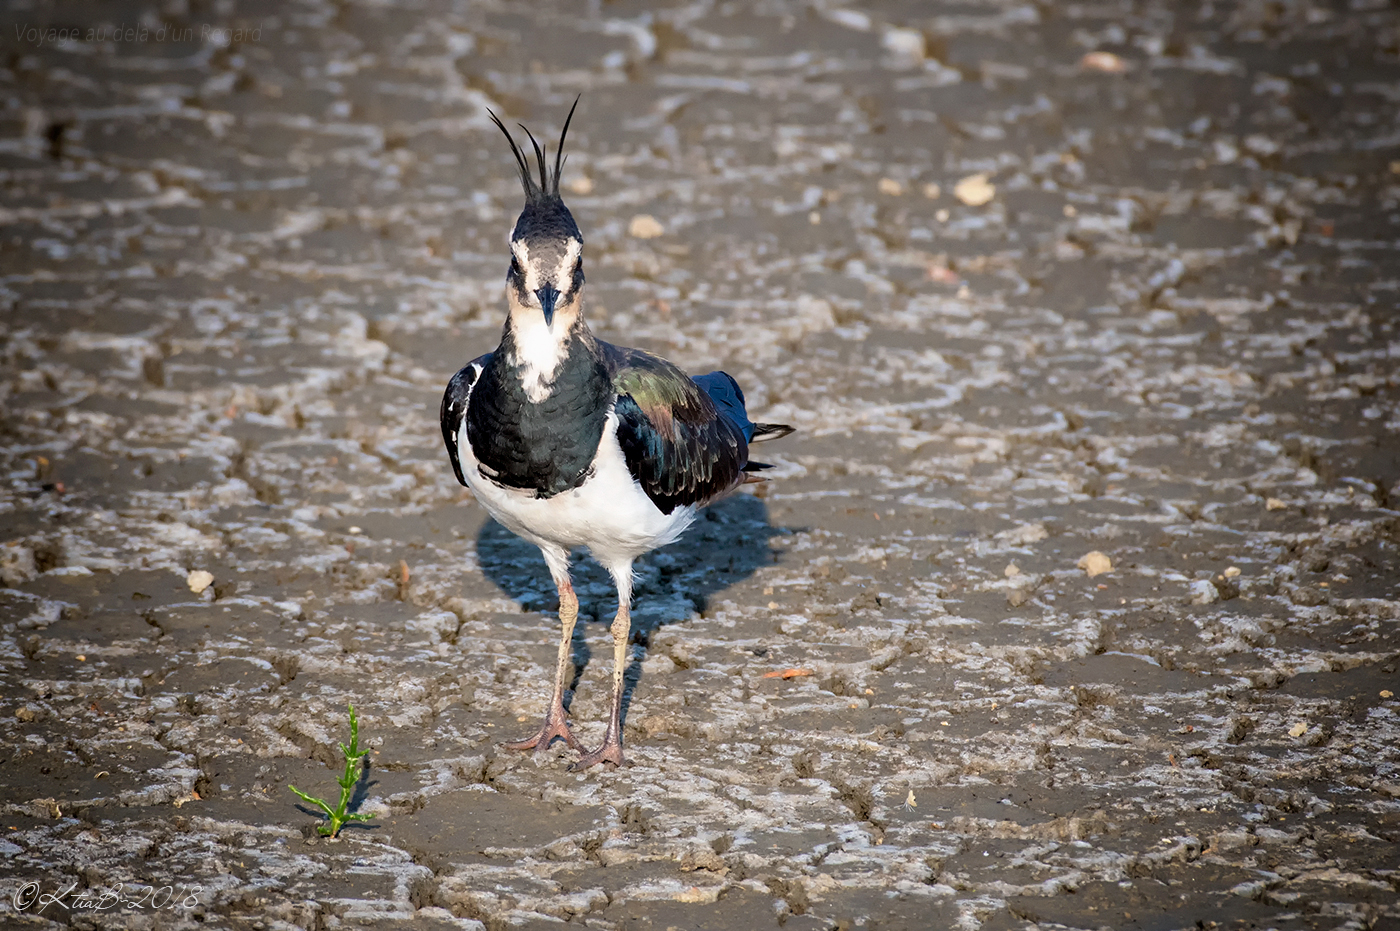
728	542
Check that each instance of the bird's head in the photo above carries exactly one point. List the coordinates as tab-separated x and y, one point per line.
546	267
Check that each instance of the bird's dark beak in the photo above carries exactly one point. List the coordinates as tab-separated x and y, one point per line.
547	296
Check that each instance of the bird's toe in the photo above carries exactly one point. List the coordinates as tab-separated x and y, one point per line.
609	752
552	729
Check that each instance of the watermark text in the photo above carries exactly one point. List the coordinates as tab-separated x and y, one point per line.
31	897
136	33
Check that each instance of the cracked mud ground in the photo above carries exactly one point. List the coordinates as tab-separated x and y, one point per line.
238	270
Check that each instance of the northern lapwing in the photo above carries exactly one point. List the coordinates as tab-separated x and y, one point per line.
569	441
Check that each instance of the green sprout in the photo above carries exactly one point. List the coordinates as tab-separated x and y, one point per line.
337	816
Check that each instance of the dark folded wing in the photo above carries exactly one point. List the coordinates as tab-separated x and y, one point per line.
729	398
454	409
679	446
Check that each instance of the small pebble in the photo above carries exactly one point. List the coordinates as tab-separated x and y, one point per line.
906	43
645	226
975	190
1203	592
1095	563
1107	62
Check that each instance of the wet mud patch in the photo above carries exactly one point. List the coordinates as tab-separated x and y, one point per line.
1106	677
107	776
471	826
1349	692
1151	903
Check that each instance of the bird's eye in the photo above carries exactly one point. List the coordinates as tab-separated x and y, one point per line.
514	265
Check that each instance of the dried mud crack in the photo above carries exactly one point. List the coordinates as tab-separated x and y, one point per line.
1075	599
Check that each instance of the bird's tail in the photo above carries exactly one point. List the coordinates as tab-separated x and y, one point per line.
770	431
763	431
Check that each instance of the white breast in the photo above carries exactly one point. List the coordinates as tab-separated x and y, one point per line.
609	513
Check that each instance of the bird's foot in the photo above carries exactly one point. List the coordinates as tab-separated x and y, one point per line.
609	752
556	725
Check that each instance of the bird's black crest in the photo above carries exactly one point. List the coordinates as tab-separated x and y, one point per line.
541	194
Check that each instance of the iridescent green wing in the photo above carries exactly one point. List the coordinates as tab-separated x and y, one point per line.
678	445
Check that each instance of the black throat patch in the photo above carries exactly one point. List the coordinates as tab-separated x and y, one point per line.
545	447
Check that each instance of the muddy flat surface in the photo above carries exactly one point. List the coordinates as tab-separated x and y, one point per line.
239	264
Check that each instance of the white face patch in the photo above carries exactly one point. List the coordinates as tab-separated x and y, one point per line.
521	249
561	276
564	275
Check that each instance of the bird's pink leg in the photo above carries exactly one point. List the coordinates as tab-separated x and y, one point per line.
556	719
611	750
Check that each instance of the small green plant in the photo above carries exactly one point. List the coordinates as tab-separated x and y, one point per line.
337	816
